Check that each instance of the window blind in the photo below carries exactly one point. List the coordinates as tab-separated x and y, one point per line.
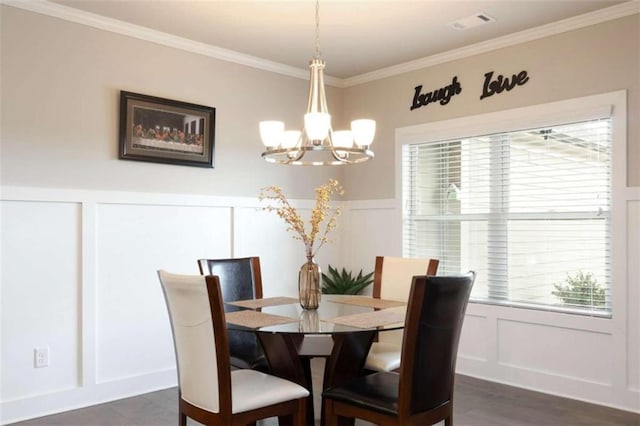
529	210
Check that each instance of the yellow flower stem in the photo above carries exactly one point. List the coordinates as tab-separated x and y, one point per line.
319	213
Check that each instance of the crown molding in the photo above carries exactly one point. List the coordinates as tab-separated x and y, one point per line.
558	27
120	27
143	33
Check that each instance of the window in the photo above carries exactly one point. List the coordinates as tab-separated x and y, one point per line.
528	209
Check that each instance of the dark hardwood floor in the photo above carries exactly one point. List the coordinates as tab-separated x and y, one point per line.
477	403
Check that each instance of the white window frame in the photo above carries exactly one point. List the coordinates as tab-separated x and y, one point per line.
555	113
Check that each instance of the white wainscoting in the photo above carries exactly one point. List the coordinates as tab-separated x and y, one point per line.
633	295
591	359
41	290
79	276
132	242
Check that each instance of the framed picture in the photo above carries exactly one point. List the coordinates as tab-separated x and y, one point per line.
165	131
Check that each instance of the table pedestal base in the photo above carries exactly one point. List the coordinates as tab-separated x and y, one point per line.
289	357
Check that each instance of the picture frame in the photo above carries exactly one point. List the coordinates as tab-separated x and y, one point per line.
166	131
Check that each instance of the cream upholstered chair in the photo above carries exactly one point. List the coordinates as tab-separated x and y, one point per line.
209	392
392	280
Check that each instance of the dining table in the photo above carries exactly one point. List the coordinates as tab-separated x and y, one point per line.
341	330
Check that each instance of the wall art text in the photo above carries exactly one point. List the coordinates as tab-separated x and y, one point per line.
443	94
501	83
490	87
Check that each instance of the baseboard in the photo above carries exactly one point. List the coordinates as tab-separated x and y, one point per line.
629	402
83	396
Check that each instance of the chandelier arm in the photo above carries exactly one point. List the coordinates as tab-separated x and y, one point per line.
332	148
300	144
310	95
340	158
281	156
322	95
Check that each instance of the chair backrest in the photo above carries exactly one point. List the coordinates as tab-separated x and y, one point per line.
432	330
240	278
392	275
392	280
199	336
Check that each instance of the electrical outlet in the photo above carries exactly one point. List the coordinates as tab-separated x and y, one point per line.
41	357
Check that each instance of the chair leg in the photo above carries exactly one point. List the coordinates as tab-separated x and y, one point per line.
298	417
285	420
346	421
449	420
301	412
332	419
328	416
182	418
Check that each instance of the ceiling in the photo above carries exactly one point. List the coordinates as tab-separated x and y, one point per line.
356	37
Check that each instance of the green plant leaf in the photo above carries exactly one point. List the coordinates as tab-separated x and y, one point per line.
343	282
581	289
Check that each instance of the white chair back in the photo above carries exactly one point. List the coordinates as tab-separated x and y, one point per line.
395	284
190	314
397	275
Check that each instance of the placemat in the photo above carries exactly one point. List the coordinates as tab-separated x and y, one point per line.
370	319
370	302
254	319
261	303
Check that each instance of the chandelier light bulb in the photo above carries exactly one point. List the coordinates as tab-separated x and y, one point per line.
271	133
364	131
290	138
317	125
342	139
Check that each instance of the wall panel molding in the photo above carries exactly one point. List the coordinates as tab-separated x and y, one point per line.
607	340
249	231
122	238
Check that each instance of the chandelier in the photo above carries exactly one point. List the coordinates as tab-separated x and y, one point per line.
317	144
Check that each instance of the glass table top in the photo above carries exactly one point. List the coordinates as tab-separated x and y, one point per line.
332	316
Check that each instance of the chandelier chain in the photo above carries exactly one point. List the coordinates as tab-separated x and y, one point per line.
317	54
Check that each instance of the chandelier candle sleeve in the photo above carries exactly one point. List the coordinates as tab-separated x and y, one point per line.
271	132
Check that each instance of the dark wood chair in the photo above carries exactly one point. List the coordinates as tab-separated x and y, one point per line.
240	279
422	392
209	391
392	280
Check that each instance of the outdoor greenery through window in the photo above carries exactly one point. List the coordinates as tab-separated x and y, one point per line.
529	210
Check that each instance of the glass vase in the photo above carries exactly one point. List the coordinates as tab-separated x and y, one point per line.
309	284
309	321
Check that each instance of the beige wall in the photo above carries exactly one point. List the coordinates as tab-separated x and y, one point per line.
60	100
596	59
61	83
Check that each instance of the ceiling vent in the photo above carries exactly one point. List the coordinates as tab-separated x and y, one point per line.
474	20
